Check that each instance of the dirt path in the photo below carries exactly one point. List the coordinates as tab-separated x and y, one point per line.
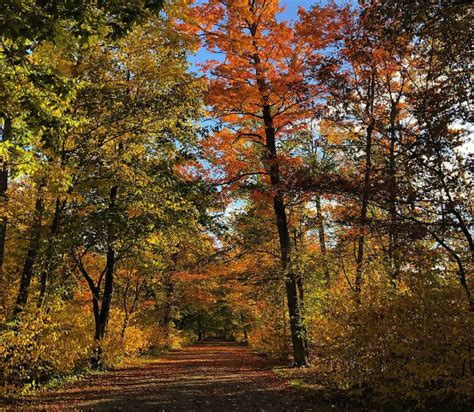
213	376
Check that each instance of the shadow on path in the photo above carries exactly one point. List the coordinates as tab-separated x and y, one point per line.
211	376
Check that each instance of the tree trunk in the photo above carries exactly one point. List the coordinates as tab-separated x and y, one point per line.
101	314
365	189
298	329
96	311
95	291
363	216
124	326
108	291
31	255
169	290
461	270
125	309
244	328
7	125
393	249
96	357
110	266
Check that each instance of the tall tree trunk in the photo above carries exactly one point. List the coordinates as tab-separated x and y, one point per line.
365	188
393	249
31	255
130	310
96	310
7	125
108	291
110	266
322	240
298	329
363	215
95	291
97	356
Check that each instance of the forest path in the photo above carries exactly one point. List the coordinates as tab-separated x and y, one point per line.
210	376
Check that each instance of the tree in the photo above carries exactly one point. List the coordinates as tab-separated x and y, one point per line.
38	112
434	99
259	95
126	183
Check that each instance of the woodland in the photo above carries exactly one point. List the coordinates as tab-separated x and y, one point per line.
178	170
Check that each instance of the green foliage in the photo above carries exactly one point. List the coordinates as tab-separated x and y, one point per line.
99	105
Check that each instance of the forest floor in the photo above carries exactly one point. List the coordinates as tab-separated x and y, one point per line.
210	376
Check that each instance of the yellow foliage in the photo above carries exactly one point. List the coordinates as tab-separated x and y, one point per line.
395	343
115	348
45	344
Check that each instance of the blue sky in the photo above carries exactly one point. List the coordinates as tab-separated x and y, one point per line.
292	7
290	13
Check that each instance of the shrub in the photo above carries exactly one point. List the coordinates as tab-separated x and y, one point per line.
115	348
413	343
44	344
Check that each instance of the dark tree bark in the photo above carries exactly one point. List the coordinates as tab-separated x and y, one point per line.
49	259
101	302
363	216
7	125
200	331
461	272
110	266
130	310
365	189
95	291
298	329
393	249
